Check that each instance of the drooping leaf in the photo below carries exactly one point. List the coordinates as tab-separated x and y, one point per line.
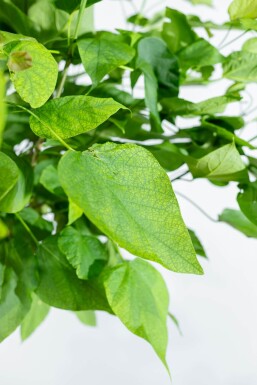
20	192
8	176
33	71
72	115
239	221
116	185
84	252
138	296
182	107
197	244
241	66
103	53
36	315
240	9
59	285
223	164
88	318
177	33
247	200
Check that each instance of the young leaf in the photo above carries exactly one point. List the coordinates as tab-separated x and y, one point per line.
103	53
84	252
59	285
72	115
33	71
8	176
138	295
88	318
223	164
37	314
247	201
241	67
125	192
243	9
239	221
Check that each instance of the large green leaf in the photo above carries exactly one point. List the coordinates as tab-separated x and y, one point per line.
8	176
84	251
182	107
125	192
103	53
247	200
223	164
240	9
72	115
2	108
71	5
33	71
36	315
241	67
198	54
19	195
238	220
59	285
177	33
138	296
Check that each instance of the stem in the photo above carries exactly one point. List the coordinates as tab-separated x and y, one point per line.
225	37
233	40
26	227
196	206
180	176
83	5
63	79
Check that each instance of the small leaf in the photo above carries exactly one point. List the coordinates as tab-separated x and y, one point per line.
240	9
103	53
241	67
88	318
247	201
116	186
59	285
197	244
223	164
72	115
84	252
33	71
239	221
37	314
138	296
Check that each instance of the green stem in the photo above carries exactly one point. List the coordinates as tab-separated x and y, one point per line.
180	176
63	79
235	39
83	5
196	206
26	227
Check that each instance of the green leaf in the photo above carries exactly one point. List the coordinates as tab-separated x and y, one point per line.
116	188
71	5
59	285
75	212
251	45
49	179
84	252
37	314
40	227
8	176
19	194
138	296
199	54
161	73
197	244
2	110
34	74
200	2
238	220
88	318
182	107
223	164
12	309
241	67
247	201
14	17
240	9
177	33
103	53
72	115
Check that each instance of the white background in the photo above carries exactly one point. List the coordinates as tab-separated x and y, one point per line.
217	311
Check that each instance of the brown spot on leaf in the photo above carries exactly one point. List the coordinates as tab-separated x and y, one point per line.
19	61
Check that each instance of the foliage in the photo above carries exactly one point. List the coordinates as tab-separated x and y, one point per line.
85	154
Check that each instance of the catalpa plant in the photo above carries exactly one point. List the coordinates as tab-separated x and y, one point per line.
86	156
